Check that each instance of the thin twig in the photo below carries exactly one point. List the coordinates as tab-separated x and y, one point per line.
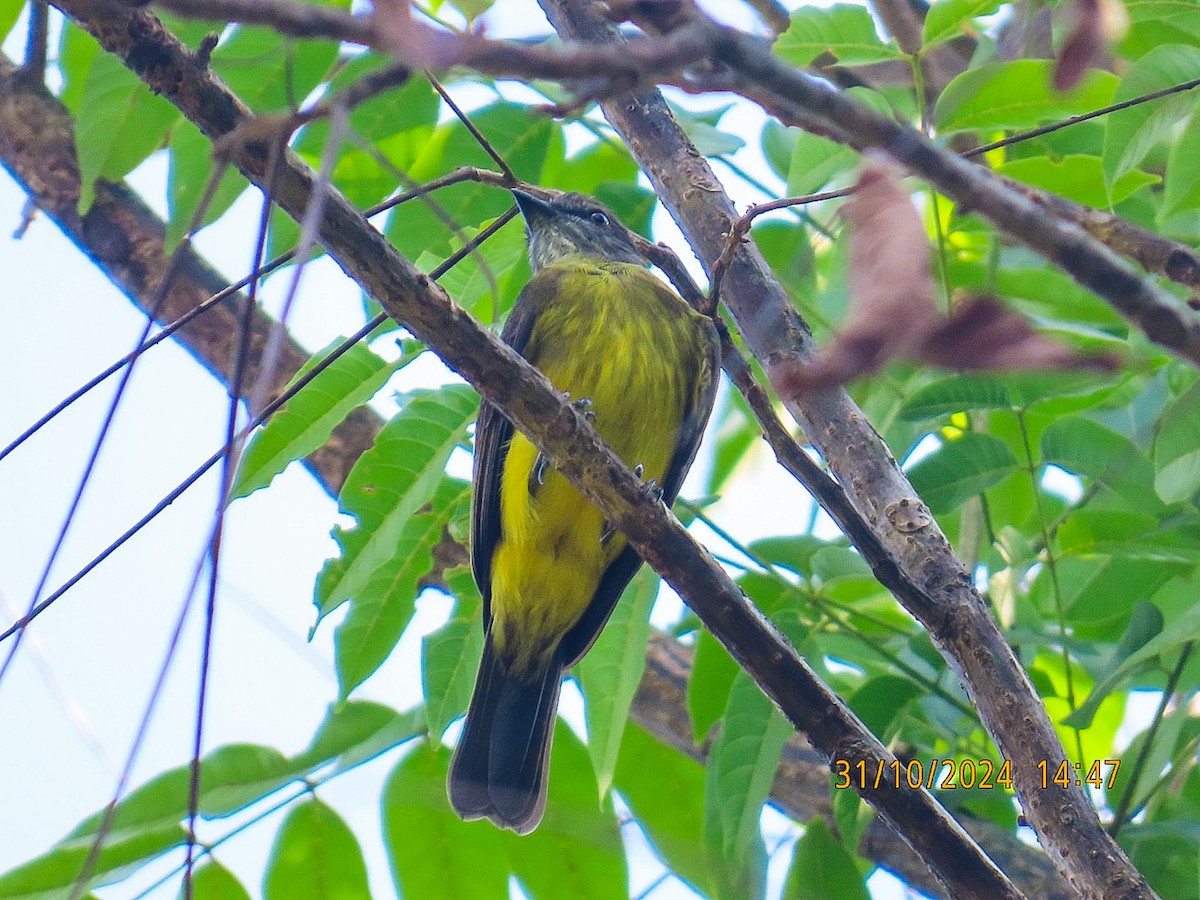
510	178
1085	117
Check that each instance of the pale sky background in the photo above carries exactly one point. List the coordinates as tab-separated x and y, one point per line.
80	683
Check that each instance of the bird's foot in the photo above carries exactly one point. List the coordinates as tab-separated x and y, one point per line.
584	405
537	474
651	488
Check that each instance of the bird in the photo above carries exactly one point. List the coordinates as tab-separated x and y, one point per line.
642	365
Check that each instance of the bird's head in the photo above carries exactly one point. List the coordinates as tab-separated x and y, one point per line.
573	224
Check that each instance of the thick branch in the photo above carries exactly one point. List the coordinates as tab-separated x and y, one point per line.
125	239
959	621
562	433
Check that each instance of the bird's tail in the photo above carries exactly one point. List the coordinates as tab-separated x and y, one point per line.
499	769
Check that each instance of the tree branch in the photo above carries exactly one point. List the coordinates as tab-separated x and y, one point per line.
959	621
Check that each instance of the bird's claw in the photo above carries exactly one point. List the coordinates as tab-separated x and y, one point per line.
584	406
537	474
653	489
650	487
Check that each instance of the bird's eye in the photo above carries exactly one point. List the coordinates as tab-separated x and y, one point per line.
599	218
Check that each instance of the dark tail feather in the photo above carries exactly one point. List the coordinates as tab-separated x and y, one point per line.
499	769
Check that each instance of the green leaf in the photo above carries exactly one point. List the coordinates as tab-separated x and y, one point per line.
394	123
665	791
306	421
315	855
1088	448
413	105
270	72
847	32
794	552
1016	94
433	853
1177	448
381	610
118	124
815	162
741	768
778	144
948	19
822	869
1182	184
732	434
959	393
494	273
1160	762
191	167
234	776
450	656
1077	177
851	817
1144	639
231	778
77	50
52	876
1136	535
1100	591
147	822
358	730
611	672
576	852
961	469
596	165
1130	134
390	483
212	881
708	687
1154	23
881	699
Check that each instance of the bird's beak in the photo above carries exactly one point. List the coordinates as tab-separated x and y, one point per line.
531	206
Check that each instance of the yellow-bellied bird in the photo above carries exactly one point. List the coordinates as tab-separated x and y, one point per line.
642	364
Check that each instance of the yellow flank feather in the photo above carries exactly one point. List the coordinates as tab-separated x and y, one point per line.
616	336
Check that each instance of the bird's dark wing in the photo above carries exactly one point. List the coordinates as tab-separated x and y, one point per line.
493	431
580	638
695	416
